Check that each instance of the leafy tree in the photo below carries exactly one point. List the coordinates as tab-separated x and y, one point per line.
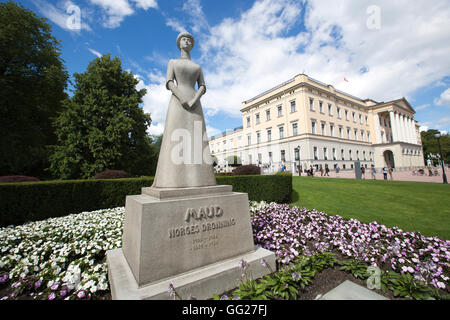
102	126
234	161
430	144
32	83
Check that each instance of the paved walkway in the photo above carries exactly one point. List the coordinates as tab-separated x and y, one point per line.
399	176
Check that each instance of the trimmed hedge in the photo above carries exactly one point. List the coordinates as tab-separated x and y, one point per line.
33	201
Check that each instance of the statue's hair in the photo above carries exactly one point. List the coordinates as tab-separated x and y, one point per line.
184	34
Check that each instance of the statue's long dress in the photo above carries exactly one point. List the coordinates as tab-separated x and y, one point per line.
181	161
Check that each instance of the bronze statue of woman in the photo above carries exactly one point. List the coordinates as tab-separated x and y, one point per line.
184	159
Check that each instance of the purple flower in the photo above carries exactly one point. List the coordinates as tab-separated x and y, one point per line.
63	293
37	284
55	286
52	296
81	294
4	278
296	276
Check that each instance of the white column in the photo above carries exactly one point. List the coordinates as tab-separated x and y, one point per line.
393	126
403	128
410	130
415	141
413	131
397	125
377	127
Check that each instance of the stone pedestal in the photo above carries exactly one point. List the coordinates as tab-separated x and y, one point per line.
191	237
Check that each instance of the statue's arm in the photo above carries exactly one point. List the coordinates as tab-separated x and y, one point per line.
201	90
170	85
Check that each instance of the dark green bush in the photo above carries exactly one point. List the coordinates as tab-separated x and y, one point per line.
247	170
112	174
32	201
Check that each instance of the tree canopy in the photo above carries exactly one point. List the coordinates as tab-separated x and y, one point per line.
32	83
430	144
102	126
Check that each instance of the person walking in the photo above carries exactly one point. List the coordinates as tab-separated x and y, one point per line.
390	172
337	170
363	172
373	171
385	173
327	170
321	170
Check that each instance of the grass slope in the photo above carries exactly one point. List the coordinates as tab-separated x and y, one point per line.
412	206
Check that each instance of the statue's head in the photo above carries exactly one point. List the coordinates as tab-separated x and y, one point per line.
189	40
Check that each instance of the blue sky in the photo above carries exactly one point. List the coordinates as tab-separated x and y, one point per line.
386	51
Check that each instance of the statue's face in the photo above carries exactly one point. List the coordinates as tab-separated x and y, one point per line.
186	43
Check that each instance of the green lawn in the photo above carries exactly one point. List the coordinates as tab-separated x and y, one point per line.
412	206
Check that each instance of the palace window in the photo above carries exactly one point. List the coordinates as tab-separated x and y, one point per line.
325	153
311	104
341	132
269	134
257	118
315	153
293	106
332	130
330	109
313	127
342	154
321	107
249	140
323	128
248	122
334	153
258	137
280	111
346	115
283	155
295	129
339	112
267	114
281	129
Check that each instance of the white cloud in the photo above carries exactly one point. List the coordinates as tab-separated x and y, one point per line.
422	107
65	14
175	25
444	99
265	46
115	11
275	40
94	52
146	4
156	100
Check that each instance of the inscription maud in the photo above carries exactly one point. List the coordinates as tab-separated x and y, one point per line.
205	219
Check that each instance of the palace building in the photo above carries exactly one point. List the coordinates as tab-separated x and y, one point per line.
309	123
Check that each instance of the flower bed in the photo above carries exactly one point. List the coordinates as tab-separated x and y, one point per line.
64	258
291	232
60	258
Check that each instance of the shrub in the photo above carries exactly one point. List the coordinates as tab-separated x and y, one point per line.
247	170
23	202
112	174
18	179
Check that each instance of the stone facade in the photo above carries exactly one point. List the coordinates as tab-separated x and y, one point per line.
307	122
